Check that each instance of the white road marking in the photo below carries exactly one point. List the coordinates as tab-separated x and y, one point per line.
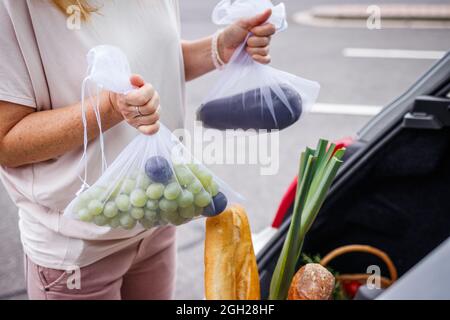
392	53
346	109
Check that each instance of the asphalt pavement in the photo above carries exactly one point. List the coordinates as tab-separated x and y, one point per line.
310	52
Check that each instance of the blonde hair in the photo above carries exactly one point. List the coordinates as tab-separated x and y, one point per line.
85	7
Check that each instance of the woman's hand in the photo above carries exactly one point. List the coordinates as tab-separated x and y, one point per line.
140	107
257	45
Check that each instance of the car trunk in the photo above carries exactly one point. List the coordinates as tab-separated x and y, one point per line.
393	192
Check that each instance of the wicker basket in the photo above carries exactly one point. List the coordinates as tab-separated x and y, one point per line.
362	277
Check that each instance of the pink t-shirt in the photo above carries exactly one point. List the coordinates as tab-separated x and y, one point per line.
42	66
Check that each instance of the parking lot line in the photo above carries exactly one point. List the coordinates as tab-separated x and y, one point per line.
346	109
392	53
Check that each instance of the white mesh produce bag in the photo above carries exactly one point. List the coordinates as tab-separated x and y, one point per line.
154	181
250	95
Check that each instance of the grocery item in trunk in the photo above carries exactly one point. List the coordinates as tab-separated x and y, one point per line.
312	282
317	170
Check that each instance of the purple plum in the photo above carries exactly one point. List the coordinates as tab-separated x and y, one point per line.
217	206
158	169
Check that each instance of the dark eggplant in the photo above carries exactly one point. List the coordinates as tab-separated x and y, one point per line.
249	110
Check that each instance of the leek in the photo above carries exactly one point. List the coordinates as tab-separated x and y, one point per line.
317	171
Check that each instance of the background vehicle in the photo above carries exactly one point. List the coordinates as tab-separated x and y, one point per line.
393	190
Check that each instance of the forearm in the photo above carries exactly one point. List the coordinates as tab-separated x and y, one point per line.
197	58
45	135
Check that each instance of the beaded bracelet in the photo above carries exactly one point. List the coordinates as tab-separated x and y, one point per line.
215	56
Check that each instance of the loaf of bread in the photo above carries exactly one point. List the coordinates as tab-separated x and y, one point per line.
312	282
231	272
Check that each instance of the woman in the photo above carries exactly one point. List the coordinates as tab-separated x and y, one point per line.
41	133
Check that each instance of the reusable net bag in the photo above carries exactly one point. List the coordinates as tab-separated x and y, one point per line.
154	181
250	95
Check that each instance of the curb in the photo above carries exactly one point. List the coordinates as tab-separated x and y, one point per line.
387	11
390	16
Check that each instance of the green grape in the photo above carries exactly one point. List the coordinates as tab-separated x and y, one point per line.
180	220
110	209
147	224
198	211
143	181
155	191
123	202
186	199
184	175
205	177
213	188
151	215
95	207
80	205
202	199
127	222
134	174
85	196
168	205
162	222
128	186
98	193
188	212
137	213
152	204
172	191
101	220
115	192
138	198
85	216
114	222
172	218
193	167
195	187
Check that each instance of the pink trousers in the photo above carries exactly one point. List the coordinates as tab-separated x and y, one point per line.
142	271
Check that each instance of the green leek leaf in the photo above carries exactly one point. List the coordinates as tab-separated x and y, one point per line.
317	170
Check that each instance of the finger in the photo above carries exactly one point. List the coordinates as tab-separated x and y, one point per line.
147	120
138	121
262	59
149	130
255	20
255	41
141	96
258	51
264	30
151	106
137	81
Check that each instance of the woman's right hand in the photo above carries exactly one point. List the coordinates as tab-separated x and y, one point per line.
140	107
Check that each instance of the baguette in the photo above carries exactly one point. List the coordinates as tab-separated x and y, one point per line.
231	272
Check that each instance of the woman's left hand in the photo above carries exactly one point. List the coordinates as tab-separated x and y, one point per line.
257	45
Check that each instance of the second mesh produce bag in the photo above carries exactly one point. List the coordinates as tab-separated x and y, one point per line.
154	181
250	95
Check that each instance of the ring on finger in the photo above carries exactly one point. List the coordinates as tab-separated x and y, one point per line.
138	111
